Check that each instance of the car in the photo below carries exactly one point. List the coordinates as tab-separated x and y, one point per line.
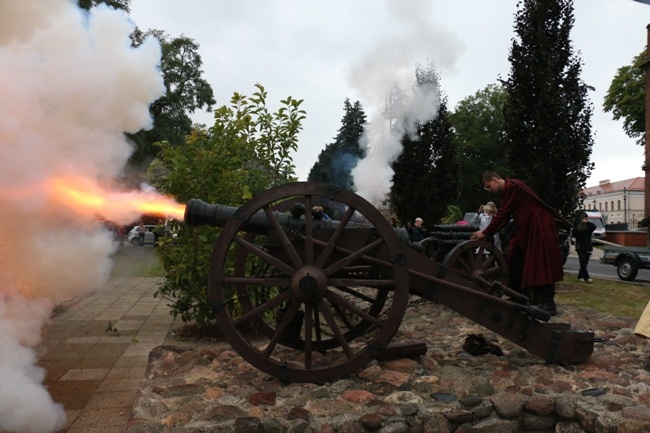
149	235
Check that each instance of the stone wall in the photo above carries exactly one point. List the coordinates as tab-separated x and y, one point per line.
197	387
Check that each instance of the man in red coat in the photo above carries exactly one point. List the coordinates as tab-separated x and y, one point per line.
534	251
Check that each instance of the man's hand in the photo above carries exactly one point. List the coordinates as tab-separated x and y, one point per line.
477	236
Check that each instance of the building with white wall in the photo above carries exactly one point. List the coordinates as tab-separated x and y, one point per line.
621	202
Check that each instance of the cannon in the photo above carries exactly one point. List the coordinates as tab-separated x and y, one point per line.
313	300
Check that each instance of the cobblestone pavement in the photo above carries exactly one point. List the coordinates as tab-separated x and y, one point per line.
95	350
211	388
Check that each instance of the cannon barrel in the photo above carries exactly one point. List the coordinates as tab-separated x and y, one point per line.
198	212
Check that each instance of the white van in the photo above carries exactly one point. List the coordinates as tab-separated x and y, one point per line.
597	218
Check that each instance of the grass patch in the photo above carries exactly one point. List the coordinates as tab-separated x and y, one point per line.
618	298
154	270
129	261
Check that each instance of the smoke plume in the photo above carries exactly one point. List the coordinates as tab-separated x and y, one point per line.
389	69
71	84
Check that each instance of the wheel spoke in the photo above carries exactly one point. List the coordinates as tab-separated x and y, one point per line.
308	334
353	292
329	247
338	300
466	264
279	264
339	312
489	261
352	257
335	329
370	259
291	311
286	243
475	256
267	306
317	326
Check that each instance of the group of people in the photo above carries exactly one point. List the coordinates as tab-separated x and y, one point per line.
416	230
533	251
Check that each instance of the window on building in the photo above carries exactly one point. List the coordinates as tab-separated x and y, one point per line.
606	206
612	204
618	205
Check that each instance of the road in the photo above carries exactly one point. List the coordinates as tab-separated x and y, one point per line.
598	270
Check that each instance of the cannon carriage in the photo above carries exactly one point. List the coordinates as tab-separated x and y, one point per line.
326	296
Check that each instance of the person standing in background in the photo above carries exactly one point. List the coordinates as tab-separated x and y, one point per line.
584	246
141	231
418	232
121	234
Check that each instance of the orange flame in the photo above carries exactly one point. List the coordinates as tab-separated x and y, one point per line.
85	196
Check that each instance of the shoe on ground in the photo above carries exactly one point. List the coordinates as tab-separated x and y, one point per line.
582	279
589	280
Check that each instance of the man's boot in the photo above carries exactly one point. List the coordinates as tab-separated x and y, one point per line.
536	296
548	303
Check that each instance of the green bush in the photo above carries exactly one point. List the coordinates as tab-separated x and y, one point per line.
246	151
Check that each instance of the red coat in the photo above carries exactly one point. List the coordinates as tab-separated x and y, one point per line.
535	234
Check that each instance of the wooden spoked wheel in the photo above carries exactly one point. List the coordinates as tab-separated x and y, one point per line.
472	259
325	296
249	296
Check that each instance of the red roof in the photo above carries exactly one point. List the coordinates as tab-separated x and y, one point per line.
605	187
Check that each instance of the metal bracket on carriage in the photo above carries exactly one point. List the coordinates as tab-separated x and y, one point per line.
515	299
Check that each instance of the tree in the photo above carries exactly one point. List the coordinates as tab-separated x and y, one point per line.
625	98
426	172
186	92
246	151
478	123
336	161
547	113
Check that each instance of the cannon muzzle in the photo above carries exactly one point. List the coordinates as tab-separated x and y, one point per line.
198	212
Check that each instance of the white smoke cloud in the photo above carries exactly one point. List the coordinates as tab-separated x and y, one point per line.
71	84
390	65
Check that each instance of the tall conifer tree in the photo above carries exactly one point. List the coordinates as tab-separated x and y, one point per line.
547	112
336	161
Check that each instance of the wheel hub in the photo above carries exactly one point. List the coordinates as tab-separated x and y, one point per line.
308	284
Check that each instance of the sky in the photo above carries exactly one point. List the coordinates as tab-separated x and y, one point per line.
326	51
